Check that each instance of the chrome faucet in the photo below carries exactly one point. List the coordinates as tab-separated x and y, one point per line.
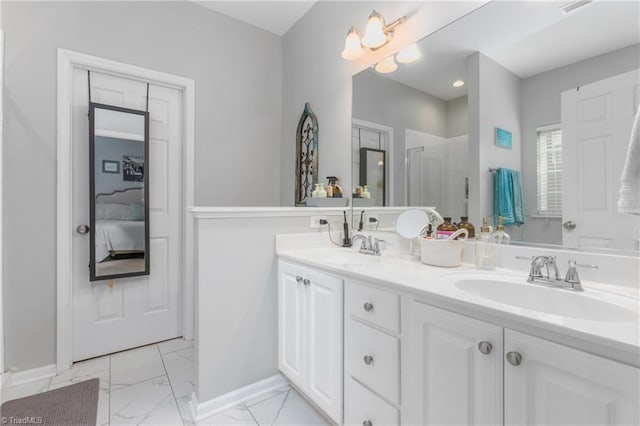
552	277
368	244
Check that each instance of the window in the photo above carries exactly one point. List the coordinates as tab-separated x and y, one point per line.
550	170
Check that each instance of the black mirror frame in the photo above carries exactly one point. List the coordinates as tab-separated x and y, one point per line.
92	193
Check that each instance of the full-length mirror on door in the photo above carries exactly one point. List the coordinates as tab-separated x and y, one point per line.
119	192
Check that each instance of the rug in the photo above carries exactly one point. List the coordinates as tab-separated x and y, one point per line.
74	405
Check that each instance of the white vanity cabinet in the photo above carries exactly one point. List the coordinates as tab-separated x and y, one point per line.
548	383
455	369
310	350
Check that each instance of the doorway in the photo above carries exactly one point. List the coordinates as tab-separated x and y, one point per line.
96	318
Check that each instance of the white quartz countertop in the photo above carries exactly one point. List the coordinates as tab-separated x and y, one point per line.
615	339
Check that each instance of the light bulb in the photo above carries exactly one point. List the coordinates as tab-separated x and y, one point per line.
408	54
374	35
387	65
458	83
352	46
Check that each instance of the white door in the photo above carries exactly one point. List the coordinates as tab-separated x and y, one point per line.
324	307
129	312
456	377
557	385
291	323
596	125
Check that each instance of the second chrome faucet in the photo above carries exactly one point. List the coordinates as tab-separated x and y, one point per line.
368	245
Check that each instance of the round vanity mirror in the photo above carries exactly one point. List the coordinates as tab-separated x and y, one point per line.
411	222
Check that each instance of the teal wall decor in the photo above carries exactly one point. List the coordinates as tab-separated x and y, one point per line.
306	155
503	138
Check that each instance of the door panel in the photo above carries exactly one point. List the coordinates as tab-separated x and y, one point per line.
596	125
452	381
125	313
291	307
557	385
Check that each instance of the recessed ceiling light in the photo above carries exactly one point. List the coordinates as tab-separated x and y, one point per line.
458	83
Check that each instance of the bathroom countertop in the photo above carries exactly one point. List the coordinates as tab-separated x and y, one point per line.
619	341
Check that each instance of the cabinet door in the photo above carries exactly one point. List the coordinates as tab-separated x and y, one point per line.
291	323
452	381
324	384
557	385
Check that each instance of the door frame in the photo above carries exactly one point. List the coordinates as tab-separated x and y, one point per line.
68	61
388	131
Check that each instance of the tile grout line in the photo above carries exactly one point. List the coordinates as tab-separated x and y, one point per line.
166	372
251	414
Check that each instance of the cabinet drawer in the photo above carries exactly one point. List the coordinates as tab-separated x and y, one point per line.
375	306
362	406
374	360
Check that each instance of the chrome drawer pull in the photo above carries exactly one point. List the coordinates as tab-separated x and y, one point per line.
298	279
514	358
367	423
368	359
306	281
485	347
368	306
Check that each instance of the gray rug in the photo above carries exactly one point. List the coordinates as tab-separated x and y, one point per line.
74	405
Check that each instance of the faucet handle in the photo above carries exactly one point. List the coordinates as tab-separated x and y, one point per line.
572	276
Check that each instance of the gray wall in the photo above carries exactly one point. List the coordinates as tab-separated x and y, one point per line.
494	101
112	150
385	101
540	105
238	127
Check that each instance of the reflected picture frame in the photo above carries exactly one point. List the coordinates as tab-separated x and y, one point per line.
110	166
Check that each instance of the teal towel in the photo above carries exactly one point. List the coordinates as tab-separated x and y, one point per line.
518	206
503	197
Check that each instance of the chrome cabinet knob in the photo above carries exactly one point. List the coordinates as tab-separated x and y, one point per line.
368	359
298	279
514	358
569	225
306	281
367	423
485	347
83	229
368	306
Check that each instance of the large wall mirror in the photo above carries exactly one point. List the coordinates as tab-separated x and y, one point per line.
119	192
565	85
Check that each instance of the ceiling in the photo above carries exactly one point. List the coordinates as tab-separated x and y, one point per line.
527	38
273	16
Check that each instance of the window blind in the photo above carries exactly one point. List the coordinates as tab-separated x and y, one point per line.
550	170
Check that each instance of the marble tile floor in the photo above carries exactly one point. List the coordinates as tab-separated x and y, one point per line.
152	385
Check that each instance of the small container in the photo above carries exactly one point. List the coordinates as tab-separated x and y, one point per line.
446	229
499	236
464	223
321	192
314	193
446	252
365	192
429	235
485	250
358	192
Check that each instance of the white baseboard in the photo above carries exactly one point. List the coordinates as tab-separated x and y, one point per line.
202	410
28	376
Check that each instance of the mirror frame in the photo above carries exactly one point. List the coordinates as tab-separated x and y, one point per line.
92	193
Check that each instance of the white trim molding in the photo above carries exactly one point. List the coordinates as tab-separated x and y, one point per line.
31	375
67	61
381	128
1	196
202	410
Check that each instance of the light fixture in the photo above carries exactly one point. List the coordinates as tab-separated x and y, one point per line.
408	54
376	35
352	46
458	83
386	65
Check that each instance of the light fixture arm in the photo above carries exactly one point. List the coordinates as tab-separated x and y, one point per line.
389	28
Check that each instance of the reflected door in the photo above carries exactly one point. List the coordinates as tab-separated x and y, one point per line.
114	315
596	126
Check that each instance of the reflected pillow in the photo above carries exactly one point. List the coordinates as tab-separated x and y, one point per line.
111	211
137	211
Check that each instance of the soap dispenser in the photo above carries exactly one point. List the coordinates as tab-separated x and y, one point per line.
499	236
365	192
316	188
321	192
485	250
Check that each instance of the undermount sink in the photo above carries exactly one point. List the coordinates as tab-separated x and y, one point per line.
509	291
